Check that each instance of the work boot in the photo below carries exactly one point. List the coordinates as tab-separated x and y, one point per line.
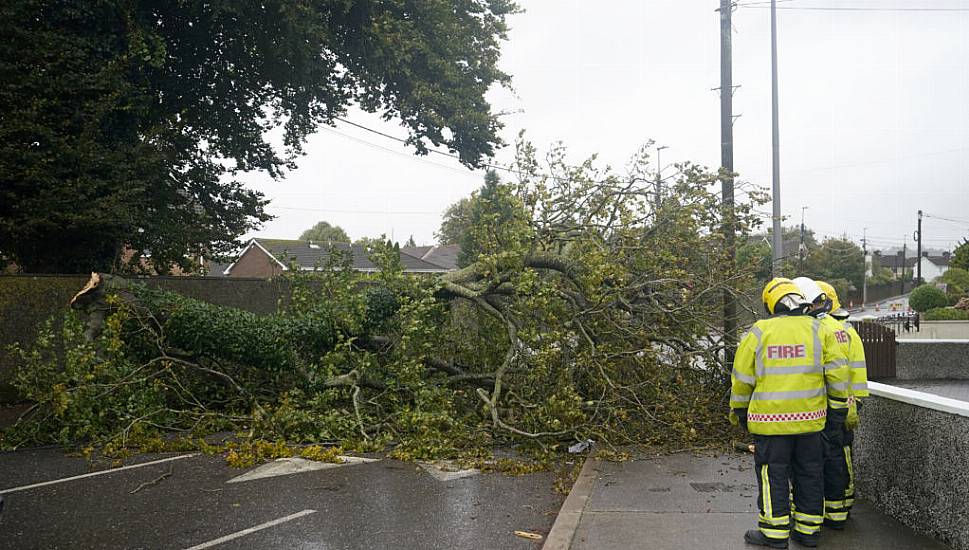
832	524
811	541
756	537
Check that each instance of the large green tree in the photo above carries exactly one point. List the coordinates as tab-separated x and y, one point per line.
960	257
837	258
455	222
323	231
123	123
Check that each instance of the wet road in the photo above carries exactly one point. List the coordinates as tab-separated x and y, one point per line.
373	505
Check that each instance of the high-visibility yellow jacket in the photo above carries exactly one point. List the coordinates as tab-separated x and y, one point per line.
788	372
856	360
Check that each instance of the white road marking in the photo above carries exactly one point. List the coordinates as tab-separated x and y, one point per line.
92	474
446	470
245	532
295	465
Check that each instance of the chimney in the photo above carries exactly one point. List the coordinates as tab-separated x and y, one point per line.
925	254
946	255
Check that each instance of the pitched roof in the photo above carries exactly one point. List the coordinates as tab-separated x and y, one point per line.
309	255
939	260
893	261
445	255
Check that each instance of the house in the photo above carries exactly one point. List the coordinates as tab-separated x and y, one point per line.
266	258
445	255
934	266
897	263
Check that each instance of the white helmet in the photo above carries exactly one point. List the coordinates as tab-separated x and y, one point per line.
809	289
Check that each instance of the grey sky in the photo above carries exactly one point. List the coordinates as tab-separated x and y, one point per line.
874	115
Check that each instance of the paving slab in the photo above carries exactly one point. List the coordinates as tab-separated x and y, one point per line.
704	502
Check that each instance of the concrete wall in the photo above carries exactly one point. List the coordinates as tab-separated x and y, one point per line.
911	456
922	359
941	330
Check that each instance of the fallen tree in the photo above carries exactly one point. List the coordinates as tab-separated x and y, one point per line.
591	311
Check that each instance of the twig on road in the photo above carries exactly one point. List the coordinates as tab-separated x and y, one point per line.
154	481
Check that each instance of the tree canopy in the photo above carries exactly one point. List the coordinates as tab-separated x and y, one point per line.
325	232
124	124
960	256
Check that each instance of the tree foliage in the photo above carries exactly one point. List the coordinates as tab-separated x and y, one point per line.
589	314
960	256
324	232
927	297
124	123
956	280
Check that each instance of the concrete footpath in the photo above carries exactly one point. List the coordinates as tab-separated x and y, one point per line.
685	501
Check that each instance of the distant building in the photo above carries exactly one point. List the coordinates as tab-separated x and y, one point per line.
934	266
896	264
266	258
445	255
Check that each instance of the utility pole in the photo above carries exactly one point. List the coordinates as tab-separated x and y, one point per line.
778	248
659	177
904	261
918	238
864	274
726	175
801	249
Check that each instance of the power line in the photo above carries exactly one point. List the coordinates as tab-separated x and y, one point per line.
435	151
424	213
951	220
757	5
400	153
456	157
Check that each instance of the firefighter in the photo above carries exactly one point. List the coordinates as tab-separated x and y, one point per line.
859	386
836	476
789	377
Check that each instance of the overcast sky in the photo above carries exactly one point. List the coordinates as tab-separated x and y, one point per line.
874	115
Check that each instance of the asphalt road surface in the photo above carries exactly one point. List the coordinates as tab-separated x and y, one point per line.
188	501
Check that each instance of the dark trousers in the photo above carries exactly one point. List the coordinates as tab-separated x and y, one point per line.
836	473
783	462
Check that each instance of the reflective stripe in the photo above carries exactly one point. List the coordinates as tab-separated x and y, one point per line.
836	364
801	516
745	378
765	492
841	386
836	516
833	504
836	403
739	398
775	533
797	369
858	386
806	529
784	520
758	352
787	395
857	364
850	490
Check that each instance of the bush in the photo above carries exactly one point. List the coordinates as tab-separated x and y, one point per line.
946	314
957	283
927	297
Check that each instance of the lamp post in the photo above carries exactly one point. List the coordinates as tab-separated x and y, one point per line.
778	244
